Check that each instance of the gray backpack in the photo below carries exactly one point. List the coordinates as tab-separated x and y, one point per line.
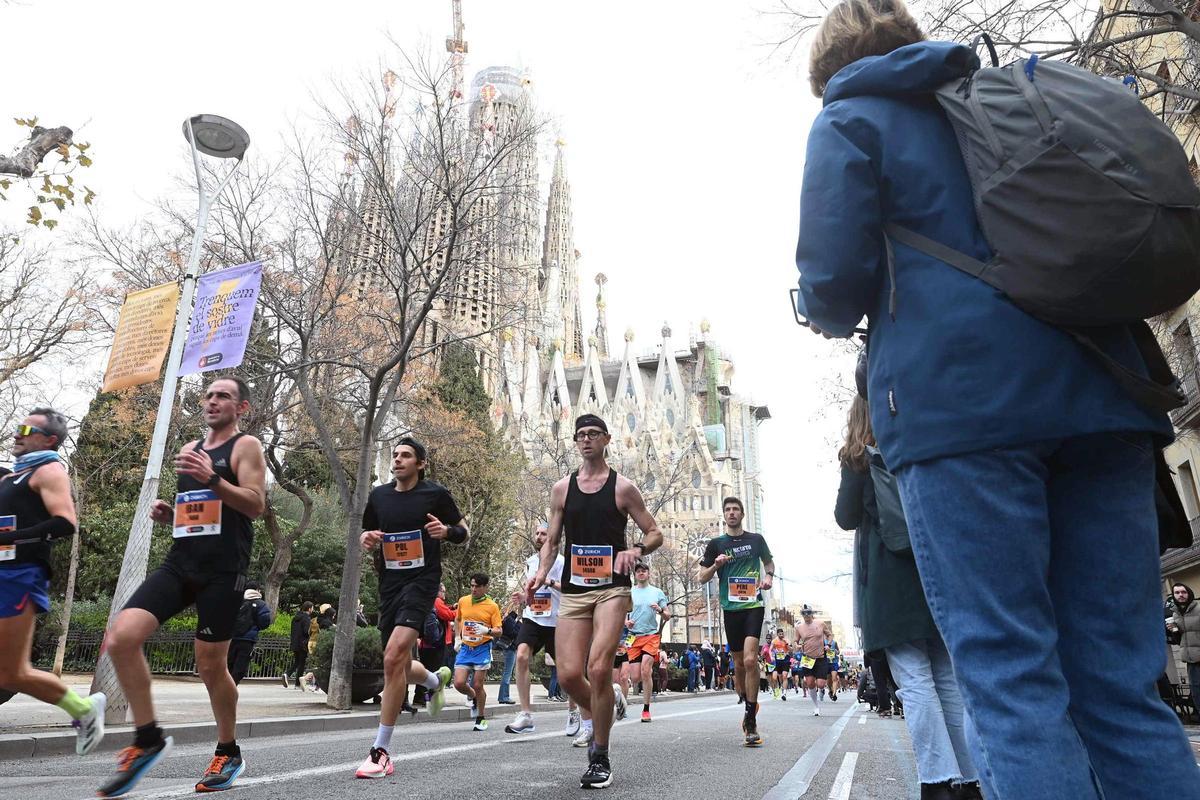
1085	198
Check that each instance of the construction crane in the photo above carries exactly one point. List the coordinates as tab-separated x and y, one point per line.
457	47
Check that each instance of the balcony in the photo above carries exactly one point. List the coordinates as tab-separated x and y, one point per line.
1181	558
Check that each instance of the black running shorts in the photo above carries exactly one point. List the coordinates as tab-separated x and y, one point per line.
741	625
819	670
781	666
537	636
217	596
620	660
406	605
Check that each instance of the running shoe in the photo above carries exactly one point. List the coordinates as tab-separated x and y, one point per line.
303	683
573	723
816	712
619	705
783	697
221	773
377	765
598	774
750	730
133	763
89	729
522	724
645	716
480	724
437	700
286	683
833	698
584	738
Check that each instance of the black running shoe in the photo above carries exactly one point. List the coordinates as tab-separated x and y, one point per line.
750	729
133	763
221	773
598	774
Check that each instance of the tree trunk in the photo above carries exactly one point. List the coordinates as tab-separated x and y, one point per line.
280	561
342	667
60	651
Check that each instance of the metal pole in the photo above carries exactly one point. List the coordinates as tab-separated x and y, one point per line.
137	548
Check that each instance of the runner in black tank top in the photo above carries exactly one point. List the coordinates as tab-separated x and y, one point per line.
591	507
221	489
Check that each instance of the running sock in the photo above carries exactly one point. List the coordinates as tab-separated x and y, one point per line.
597	750
645	706
147	735
587	724
432	682
78	707
751	707
230	749
815	699
383	739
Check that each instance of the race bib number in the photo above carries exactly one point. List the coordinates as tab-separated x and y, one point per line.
591	565
743	590
8	552
197	513
474	632
403	550
542	605
807	662
628	640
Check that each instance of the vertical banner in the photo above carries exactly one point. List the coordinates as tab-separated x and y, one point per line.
221	318
143	337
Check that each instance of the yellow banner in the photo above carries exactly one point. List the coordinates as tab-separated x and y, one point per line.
143	337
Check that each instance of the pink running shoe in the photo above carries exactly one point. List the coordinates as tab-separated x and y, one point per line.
377	765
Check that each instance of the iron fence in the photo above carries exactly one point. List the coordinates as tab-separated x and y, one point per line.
168	653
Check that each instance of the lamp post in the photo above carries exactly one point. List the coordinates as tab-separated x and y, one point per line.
219	138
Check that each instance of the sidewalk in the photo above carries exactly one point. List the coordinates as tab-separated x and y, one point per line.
265	708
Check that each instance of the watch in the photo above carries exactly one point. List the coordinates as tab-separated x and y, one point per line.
213	481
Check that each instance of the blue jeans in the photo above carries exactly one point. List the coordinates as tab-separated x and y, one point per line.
1040	565
553	690
933	710
510	660
693	678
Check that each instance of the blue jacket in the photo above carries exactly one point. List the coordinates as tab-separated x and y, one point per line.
259	615
959	368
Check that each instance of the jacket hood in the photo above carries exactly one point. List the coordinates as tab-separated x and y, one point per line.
912	69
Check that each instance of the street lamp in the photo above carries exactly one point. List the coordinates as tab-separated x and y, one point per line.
220	138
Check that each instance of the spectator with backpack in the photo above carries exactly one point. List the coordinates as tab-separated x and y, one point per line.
437	634
298	643
1027	468
253	616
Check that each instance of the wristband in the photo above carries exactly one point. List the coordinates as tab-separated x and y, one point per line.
456	534
641	547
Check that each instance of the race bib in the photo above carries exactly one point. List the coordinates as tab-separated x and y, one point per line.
8	552
591	565
197	513
807	662
743	590
628	640
542	604
403	550
474	632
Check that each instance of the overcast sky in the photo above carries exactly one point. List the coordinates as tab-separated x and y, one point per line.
685	150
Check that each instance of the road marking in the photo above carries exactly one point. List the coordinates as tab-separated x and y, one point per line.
862	720
845	777
189	790
797	780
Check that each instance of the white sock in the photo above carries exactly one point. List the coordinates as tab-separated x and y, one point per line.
383	739
813	694
432	682
587	724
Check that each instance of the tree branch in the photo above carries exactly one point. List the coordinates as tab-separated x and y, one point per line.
41	142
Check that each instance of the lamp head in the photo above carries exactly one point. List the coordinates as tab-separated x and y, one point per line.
217	136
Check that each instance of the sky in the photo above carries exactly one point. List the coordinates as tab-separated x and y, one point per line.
685	147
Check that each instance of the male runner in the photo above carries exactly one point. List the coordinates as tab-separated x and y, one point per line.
779	658
221	490
478	621
620	673
592	506
36	509
649	603
795	680
405	523
833	654
814	667
736	555
538	624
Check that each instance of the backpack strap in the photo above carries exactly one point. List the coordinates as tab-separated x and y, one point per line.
991	46
972	266
1161	390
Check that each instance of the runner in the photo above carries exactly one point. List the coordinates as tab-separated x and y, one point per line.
736	556
649	604
814	667
620	673
794	680
478	622
404	524
833	654
221	490
780	657
36	509
538	624
592	507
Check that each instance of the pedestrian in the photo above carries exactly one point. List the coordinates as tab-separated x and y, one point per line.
298	643
326	618
506	644
693	657
663	671
1185	623
708	664
553	689
1025	470
431	646
894	616
253	616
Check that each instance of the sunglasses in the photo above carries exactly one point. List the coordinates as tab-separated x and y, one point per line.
26	430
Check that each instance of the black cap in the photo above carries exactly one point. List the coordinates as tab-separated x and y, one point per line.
592	420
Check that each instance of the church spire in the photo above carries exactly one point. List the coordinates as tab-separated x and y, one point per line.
601	334
559	248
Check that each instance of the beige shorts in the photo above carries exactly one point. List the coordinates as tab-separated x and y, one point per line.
583	606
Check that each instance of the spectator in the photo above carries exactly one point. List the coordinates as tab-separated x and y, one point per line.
1186	621
553	690
298	643
437	638
664	672
1025	470
708	663
327	618
506	644
693	668
253	616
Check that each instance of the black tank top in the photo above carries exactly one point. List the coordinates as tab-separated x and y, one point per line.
17	499
594	529
228	551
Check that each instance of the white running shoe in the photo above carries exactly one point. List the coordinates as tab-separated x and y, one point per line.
573	723
303	683
522	724
480	724
619	705
816	712
584	738
89	729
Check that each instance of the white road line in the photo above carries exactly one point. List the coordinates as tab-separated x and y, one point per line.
845	778
862	720
189	790
797	780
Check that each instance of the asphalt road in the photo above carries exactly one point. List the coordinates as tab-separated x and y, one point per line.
692	748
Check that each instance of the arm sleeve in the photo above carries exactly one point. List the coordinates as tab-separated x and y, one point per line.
46	531
840	248
848	510
370	522
710	554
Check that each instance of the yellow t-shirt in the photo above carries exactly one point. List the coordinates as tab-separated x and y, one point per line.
476	619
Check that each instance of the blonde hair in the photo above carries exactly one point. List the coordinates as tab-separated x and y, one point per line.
855	29
858	435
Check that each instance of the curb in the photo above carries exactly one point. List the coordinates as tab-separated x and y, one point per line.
61	743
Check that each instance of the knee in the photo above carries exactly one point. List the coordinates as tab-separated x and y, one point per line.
10	675
460	682
396	660
600	673
523	657
211	666
122	641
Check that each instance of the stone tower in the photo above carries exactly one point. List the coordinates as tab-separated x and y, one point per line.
559	251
